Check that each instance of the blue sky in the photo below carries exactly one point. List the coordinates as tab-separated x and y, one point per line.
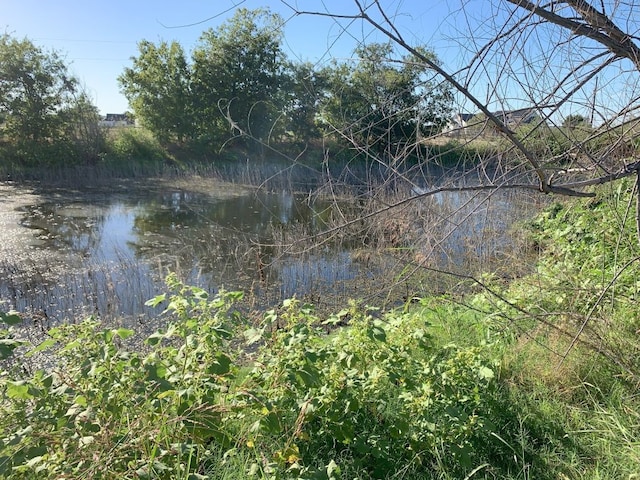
99	38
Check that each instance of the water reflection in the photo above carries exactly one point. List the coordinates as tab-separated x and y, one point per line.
105	254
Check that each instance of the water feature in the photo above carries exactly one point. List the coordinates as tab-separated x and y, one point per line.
69	253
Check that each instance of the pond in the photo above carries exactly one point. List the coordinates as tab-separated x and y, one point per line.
69	253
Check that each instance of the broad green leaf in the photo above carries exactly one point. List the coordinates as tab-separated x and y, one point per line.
199	293
154	338
377	331
71	346
123	333
34	461
486	373
155	301
43	346
18	390
220	365
7	346
253	335
10	318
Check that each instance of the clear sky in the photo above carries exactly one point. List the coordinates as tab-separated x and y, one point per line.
98	38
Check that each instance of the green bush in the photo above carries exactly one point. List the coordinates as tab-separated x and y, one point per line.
133	144
100	410
587	272
370	400
375	398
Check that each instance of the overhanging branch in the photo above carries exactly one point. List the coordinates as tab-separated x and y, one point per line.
598	27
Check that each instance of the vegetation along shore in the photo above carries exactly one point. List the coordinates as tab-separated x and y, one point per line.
277	269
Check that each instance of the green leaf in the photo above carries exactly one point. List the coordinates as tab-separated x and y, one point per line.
157	373
85	441
10	318
43	346
270	422
7	346
18	390
377	331
154	339
253	335
336	318
220	365
155	301
199	293
123	333
35	452
333	470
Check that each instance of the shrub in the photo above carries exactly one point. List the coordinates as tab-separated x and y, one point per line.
375	398
133	144
101	410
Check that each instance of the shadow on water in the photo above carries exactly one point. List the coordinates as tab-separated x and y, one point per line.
105	253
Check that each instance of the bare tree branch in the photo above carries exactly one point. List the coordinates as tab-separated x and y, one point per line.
612	37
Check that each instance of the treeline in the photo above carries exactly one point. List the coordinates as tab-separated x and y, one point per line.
45	115
237	87
238	82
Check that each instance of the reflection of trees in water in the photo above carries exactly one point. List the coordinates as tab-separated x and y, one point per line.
228	240
114	254
76	227
244	213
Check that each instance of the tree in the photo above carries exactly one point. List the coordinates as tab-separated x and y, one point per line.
157	87
382	104
306	89
82	129
588	44
575	121
238	70
36	95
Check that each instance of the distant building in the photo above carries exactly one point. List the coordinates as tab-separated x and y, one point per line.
458	123
116	120
463	124
515	118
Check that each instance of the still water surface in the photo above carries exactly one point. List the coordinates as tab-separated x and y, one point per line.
80	253
68	254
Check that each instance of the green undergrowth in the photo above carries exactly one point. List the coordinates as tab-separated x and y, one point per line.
532	379
570	329
377	399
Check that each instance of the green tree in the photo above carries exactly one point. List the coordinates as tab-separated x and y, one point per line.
36	95
306	90
238	70
157	87
576	121
82	129
381	104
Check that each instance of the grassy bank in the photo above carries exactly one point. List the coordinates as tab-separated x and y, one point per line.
133	153
532	378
